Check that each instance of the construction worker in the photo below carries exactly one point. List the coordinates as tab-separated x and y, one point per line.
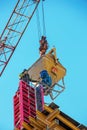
25	77
43	45
46	80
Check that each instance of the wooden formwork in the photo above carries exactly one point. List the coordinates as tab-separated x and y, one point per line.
52	119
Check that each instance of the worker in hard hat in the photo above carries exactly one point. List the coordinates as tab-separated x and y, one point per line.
25	77
43	45
46	79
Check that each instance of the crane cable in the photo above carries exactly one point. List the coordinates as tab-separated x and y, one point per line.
44	27
38	24
43	32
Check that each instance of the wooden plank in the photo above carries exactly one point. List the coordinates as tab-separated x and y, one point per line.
52	115
35	124
61	118
16	129
26	126
59	128
67	122
42	118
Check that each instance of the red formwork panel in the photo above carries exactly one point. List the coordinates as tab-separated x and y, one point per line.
16	108
32	102
24	104
21	105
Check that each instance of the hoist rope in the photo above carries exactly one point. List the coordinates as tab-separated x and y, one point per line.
41	31
44	28
38	24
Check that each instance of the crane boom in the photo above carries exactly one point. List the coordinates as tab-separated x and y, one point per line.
14	29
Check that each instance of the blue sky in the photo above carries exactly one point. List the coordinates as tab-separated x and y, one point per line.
66	29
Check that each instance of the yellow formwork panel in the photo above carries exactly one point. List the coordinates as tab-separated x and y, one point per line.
50	63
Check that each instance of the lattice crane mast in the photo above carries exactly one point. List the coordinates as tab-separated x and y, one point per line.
14	29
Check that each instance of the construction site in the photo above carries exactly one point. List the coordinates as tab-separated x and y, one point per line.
42	82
